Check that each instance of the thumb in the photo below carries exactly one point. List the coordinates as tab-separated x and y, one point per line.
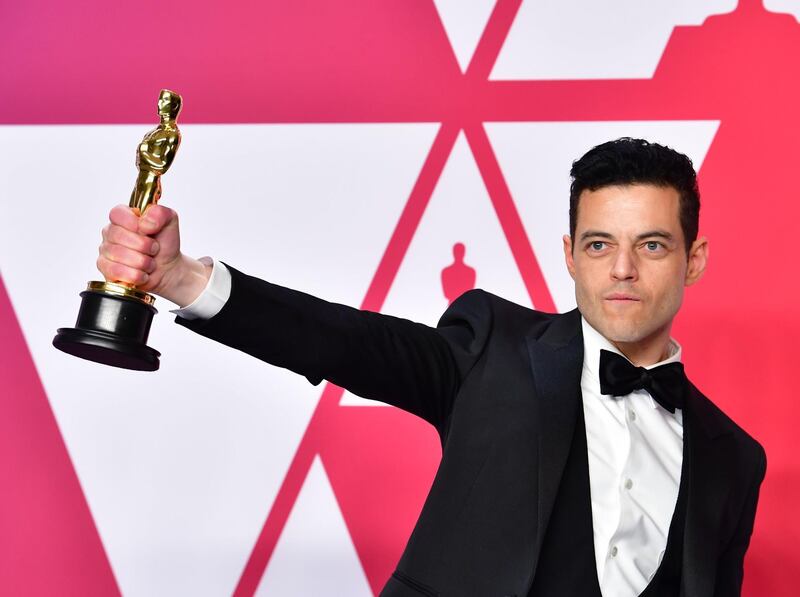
156	218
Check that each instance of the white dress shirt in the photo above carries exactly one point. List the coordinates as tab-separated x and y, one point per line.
635	450
635	455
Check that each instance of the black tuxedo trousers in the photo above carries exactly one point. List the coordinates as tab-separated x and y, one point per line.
501	384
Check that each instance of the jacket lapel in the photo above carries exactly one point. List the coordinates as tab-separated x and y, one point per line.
556	362
708	470
556	359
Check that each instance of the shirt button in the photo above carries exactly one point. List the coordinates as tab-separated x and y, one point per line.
614	552
632	415
628	484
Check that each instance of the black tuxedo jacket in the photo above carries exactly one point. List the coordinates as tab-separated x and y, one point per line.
501	384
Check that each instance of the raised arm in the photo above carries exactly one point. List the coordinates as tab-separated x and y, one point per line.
407	364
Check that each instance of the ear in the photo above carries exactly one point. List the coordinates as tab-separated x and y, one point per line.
698	258
568	255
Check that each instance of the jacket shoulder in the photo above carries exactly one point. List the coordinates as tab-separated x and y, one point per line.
716	420
498	310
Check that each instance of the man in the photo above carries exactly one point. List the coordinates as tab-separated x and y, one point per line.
567	468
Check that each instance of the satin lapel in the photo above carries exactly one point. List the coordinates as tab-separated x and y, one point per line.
556	362
709	468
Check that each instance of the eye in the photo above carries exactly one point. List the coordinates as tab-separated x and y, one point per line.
653	245
596	245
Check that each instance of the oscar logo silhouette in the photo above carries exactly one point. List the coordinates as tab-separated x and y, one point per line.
457	277
114	318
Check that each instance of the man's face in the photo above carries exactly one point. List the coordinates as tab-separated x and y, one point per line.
629	261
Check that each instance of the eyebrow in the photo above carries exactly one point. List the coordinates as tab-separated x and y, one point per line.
593	233
649	234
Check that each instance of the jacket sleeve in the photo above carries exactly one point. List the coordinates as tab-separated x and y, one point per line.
406	364
730	568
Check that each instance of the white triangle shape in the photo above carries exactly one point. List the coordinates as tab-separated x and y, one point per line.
164	441
464	23
460	211
315	554
602	39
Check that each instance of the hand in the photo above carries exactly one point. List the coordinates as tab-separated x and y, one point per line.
145	252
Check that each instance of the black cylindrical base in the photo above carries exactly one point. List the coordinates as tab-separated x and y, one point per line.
111	330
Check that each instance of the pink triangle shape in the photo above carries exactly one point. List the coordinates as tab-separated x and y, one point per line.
50	545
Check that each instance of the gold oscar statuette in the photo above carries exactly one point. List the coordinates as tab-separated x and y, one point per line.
114	318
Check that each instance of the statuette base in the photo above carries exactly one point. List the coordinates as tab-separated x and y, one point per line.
112	328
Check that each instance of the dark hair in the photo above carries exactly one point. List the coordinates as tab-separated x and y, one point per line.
636	161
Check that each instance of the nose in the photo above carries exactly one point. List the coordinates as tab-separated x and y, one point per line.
623	267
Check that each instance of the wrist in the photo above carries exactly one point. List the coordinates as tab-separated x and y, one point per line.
192	280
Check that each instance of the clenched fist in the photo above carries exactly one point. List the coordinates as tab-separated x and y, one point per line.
146	252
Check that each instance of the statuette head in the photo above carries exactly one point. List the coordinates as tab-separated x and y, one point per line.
169	104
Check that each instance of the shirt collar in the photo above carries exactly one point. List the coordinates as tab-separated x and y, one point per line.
594	341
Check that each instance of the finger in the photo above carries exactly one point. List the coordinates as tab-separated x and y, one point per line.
118	235
127	257
117	272
124	216
156	218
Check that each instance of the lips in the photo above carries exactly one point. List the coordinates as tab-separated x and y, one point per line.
621	296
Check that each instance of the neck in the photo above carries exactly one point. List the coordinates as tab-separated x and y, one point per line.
647	351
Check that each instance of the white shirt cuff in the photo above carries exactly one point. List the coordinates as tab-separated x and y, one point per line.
214	295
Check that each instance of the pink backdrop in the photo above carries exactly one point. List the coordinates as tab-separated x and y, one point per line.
95	63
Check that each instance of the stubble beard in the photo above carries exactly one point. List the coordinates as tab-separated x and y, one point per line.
633	328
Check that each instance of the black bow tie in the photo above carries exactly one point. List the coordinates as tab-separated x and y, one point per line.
667	384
